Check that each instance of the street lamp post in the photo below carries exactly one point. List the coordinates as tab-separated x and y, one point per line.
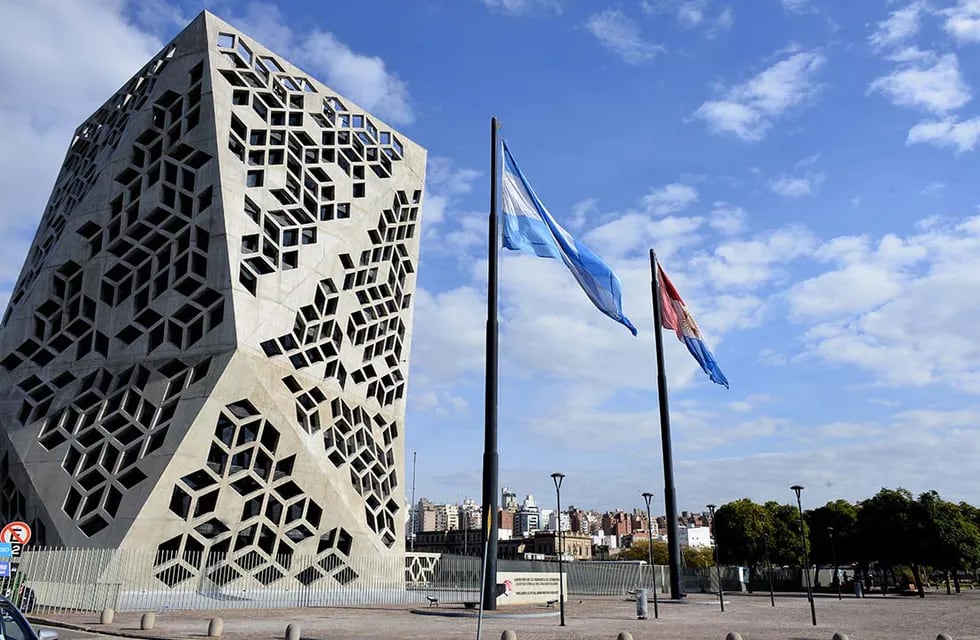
647	496
806	562
721	594
833	558
772	597
558	477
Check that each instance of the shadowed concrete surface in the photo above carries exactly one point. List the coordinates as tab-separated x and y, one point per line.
586	618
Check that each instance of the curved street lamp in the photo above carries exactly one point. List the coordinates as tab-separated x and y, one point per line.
806	562
558	477
647	496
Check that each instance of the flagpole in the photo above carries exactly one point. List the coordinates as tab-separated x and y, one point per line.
490	457
670	498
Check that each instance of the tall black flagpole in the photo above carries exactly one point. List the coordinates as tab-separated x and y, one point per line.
670	498
490	404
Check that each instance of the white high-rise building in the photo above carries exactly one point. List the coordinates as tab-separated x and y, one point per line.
447	517
527	518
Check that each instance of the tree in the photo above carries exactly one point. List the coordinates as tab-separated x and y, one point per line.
738	529
889	529
639	550
698	557
841	515
951	539
784	534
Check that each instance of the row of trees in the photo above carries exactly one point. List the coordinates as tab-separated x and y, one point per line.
892	529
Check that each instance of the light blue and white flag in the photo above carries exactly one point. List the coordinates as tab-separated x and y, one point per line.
529	227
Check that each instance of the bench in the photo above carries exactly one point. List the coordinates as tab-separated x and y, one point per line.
433	601
551	603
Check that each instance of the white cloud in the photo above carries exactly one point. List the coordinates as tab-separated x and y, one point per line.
670	198
618	33
725	20
938	88
56	76
798	6
911	54
751	263
365	79
901	25
963	21
961	135
444	183
933	188
521	7
581	212
691	14
727	218
902	310
797	186
747	110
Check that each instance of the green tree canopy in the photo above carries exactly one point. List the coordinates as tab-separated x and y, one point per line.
951	539
888	528
738	529
784	534
841	516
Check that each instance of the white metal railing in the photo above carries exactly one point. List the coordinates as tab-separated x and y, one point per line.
58	579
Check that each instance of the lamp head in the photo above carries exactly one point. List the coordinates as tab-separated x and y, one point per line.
797	488
557	477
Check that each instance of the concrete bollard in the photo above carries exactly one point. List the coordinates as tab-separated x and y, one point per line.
624	635
840	636
147	621
107	616
215	627
508	635
292	632
943	636
733	635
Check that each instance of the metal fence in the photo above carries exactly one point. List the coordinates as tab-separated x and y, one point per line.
52	580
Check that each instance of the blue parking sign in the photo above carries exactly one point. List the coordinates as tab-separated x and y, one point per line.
4	569
6	550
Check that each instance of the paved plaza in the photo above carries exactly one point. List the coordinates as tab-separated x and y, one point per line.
699	618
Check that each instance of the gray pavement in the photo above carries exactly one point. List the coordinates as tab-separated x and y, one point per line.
873	618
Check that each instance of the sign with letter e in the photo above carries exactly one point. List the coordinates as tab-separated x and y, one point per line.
19	532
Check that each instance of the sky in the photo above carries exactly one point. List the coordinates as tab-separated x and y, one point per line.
805	170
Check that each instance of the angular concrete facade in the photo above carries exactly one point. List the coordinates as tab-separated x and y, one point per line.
207	349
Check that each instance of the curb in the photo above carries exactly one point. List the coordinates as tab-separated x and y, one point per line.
35	620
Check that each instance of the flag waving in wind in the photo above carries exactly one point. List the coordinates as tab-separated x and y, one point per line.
675	315
529	227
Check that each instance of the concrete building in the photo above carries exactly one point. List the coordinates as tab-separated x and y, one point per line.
470	515
447	517
554	519
207	348
526	520
508	500
695	536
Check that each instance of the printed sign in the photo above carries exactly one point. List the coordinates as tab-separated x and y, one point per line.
529	587
15	548
4	569
19	532
6	550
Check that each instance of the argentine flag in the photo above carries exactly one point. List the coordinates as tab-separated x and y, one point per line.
529	227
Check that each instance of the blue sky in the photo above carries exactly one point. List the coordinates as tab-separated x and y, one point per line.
805	169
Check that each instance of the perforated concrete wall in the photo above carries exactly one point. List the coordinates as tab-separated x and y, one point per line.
207	349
